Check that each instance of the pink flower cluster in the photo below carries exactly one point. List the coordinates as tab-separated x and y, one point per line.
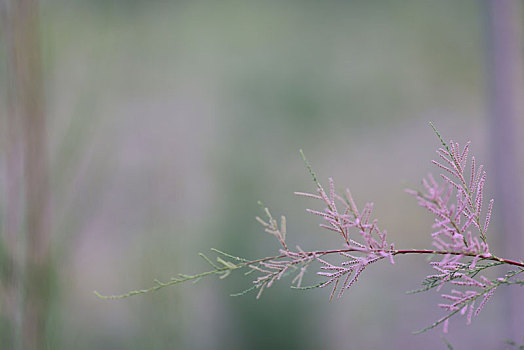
370	244
459	229
454	221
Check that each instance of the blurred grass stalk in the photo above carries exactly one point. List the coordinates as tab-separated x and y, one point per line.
26	283
506	87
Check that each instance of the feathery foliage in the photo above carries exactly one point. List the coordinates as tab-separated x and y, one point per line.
460	258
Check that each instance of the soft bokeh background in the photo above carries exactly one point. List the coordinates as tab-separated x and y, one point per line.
168	121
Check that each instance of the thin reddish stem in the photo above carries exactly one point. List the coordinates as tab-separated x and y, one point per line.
395	252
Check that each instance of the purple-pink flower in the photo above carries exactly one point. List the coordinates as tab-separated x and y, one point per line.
461	254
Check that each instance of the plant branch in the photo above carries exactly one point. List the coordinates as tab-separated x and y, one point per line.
228	266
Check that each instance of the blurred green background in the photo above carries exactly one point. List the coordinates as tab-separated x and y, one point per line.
168	121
